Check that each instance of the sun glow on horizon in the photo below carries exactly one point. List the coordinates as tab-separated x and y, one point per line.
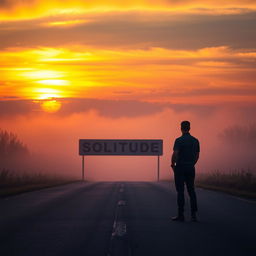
50	106
80	71
47	93
64	23
39	74
57	82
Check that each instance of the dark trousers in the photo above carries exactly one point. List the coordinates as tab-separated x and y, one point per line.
184	174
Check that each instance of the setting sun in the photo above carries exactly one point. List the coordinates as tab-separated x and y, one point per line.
50	106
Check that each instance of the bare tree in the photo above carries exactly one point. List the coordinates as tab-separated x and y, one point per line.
11	146
240	135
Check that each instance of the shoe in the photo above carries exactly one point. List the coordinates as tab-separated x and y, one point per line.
194	217
178	218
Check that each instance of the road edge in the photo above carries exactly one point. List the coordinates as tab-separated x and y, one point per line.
30	188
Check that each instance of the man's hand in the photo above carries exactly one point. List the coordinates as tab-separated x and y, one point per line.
174	159
173	167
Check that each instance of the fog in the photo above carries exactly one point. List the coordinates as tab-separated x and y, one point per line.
226	133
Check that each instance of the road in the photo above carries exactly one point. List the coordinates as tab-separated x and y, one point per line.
123	218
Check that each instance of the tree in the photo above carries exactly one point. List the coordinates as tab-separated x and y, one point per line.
11	146
240	135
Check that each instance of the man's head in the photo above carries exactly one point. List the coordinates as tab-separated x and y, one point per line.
185	126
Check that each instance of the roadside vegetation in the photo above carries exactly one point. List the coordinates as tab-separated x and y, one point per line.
239	183
11	147
14	181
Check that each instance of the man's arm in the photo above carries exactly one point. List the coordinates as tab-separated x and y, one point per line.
197	152
174	158
196	157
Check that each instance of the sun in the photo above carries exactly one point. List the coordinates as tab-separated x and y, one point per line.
49	99
50	106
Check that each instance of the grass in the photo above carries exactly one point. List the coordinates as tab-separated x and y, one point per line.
12	183
240	183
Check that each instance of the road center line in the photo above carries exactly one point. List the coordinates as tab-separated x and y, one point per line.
119	242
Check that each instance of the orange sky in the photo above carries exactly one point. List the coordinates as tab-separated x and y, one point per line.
126	61
155	74
164	51
16	9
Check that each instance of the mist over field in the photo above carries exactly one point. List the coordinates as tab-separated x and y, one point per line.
227	135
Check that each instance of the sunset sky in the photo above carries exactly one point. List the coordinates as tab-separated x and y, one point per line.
111	69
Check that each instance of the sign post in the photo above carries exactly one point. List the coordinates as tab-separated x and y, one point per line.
121	148
158	167
82	167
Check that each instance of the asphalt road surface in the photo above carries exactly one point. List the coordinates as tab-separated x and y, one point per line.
123	218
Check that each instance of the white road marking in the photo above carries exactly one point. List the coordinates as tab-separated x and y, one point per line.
121	203
119	228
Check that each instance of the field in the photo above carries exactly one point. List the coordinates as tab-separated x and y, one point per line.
12	183
240	183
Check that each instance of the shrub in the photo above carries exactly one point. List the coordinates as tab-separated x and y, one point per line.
10	145
244	180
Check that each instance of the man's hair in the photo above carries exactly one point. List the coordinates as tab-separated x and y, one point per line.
185	126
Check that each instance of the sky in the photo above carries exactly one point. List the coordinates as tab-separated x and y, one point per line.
128	70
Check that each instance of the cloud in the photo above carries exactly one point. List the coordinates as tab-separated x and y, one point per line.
135	30
115	109
10	108
106	108
44	6
111	108
240	135
221	90
9	4
156	74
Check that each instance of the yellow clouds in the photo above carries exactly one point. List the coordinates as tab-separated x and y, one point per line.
156	74
64	23
29	9
46	93
24	75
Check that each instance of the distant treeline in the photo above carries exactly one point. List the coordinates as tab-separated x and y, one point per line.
11	146
13	182
240	135
236	182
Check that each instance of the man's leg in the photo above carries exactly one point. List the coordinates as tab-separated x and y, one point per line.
179	184
189	180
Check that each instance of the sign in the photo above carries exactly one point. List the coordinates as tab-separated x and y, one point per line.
121	147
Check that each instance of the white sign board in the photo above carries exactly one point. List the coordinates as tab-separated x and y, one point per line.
121	147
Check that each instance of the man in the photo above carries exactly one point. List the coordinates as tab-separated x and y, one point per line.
185	155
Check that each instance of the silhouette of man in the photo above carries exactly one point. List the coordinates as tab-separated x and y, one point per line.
185	155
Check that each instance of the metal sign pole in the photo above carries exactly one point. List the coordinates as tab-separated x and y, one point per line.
158	167
82	167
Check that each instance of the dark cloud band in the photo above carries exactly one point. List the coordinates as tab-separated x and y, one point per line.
118	108
136	30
